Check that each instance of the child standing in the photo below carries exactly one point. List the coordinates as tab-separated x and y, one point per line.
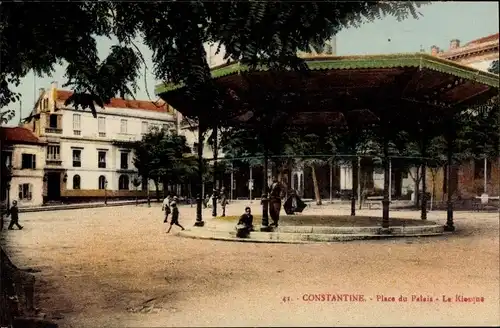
175	217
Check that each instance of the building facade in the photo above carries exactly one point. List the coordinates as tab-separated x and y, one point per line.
479	53
23	157
475	176
92	158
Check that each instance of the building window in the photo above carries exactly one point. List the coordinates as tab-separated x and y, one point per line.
77	158
123	182
53	121
145	127
45	104
101	159
25	191
124	160
123	126
53	153
102	182
28	161
76	182
479	169
77	121
7	156
101	126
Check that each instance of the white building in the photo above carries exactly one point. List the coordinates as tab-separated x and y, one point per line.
24	157
189	130
479	53
87	157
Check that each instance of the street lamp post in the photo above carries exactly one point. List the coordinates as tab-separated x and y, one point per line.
105	192
232	180
8	195
9	171
147	188
250	184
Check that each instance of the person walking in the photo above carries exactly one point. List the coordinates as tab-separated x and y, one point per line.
175	217
14	216
166	207
223	200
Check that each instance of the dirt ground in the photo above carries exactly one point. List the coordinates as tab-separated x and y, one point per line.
116	267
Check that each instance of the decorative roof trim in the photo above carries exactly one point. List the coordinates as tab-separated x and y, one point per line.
424	61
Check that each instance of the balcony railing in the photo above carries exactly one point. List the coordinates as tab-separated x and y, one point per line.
124	139
53	130
54	162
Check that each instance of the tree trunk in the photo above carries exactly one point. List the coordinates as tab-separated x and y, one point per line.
354	190
387	186
423	213
416	180
157	187
433	173
289	177
317	196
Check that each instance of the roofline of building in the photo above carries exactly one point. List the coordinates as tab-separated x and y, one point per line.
469	51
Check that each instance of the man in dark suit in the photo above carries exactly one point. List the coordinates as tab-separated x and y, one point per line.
175	216
14	216
275	196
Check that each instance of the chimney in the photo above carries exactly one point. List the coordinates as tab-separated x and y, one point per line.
454	44
434	50
41	91
54	85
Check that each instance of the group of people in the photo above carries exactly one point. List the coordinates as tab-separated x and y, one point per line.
245	223
208	201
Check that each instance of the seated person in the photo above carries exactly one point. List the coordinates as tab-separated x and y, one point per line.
245	224
294	204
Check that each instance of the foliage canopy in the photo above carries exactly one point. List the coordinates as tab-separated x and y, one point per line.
251	31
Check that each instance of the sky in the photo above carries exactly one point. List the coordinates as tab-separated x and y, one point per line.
439	24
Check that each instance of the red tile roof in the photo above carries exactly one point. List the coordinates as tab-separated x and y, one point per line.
18	135
62	95
488	38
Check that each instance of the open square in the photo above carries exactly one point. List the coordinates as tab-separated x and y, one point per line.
116	266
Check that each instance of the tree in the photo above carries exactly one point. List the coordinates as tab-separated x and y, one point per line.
494	67
163	157
310	151
253	32
5	116
351	139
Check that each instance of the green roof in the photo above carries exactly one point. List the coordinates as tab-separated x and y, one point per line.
424	61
